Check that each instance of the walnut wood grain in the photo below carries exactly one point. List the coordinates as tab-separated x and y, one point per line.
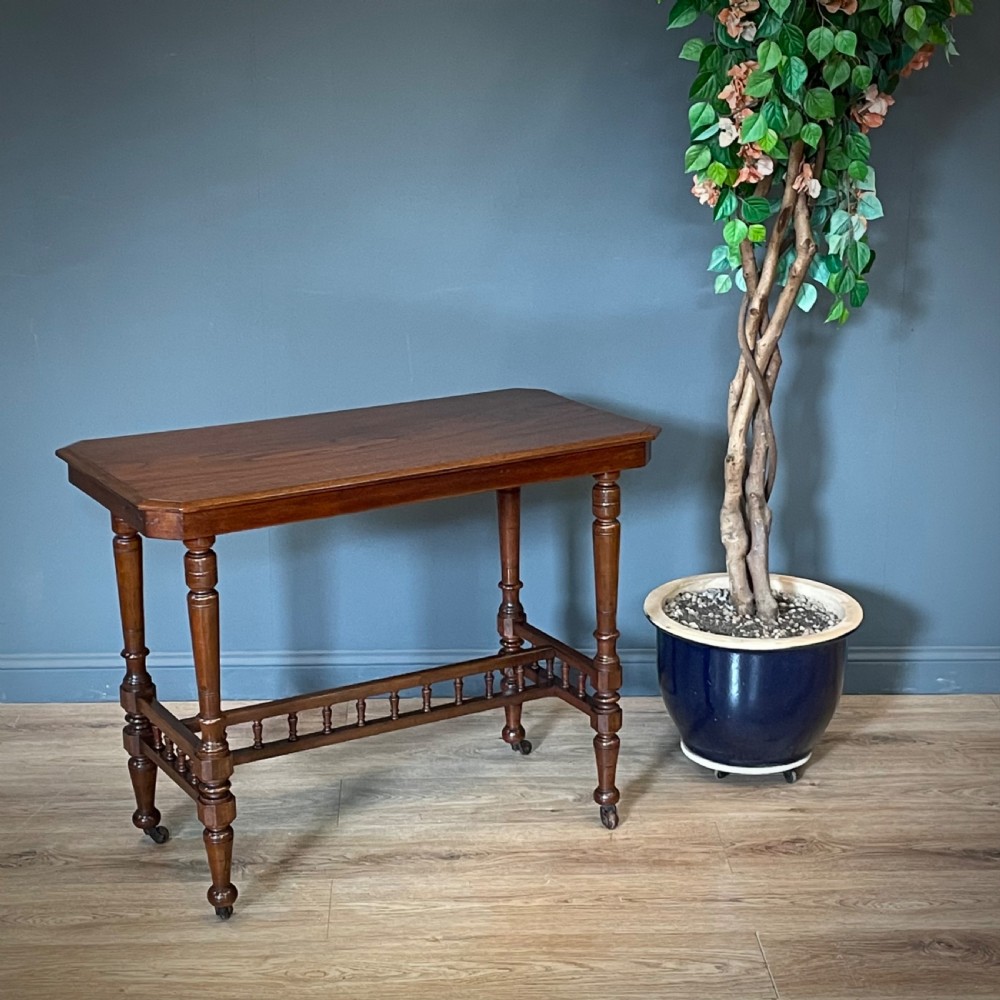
210	480
136	684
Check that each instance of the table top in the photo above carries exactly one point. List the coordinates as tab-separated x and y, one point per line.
210	480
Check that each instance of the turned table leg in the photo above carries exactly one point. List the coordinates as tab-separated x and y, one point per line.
511	613
137	683
608	714
216	804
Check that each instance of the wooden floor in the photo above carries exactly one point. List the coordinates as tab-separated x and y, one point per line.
435	863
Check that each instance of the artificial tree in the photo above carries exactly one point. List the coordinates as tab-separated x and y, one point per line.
785	95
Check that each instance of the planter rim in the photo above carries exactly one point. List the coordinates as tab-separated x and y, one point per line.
830	597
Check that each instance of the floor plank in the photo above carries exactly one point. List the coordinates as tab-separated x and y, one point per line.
435	861
426	962
934	965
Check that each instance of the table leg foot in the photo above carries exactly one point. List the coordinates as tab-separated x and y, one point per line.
219	846
513	733
522	747
606	795
142	771
157	834
609	816
223	912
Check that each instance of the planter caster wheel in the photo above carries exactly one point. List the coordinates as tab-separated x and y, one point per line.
223	912
523	747
721	775
157	834
609	816
791	776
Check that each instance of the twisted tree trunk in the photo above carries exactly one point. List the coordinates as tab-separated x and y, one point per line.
751	455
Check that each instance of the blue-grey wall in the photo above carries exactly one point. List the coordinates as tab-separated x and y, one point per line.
248	208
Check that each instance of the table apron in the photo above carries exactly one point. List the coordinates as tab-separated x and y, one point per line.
160	520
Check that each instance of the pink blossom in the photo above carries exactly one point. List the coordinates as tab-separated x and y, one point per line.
728	132
871	110
705	191
736	21
806	183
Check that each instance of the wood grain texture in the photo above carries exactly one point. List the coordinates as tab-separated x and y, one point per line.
930	965
397	867
210	480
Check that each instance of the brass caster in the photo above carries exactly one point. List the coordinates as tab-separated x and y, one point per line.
223	912
157	834
523	748
609	816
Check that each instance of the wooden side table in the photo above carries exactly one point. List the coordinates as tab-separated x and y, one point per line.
192	485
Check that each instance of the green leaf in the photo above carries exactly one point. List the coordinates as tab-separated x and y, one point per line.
846	42
859	293
683	13
861	77
818	270
848	281
792	40
780	151
858	169
759	84
719	261
722	284
779	6
726	205
701	114
755	209
704	87
859	146
753	128
696	158
819	103
692	49
858	255
794	125
806	298
757	233
769	56
867	183
717	173
838	312
835	72
819	41
837	158
793	75
811	134
869	206
769	141
915	16
774	114
735	232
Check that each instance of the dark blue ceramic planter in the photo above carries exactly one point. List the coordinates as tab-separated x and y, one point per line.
751	705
